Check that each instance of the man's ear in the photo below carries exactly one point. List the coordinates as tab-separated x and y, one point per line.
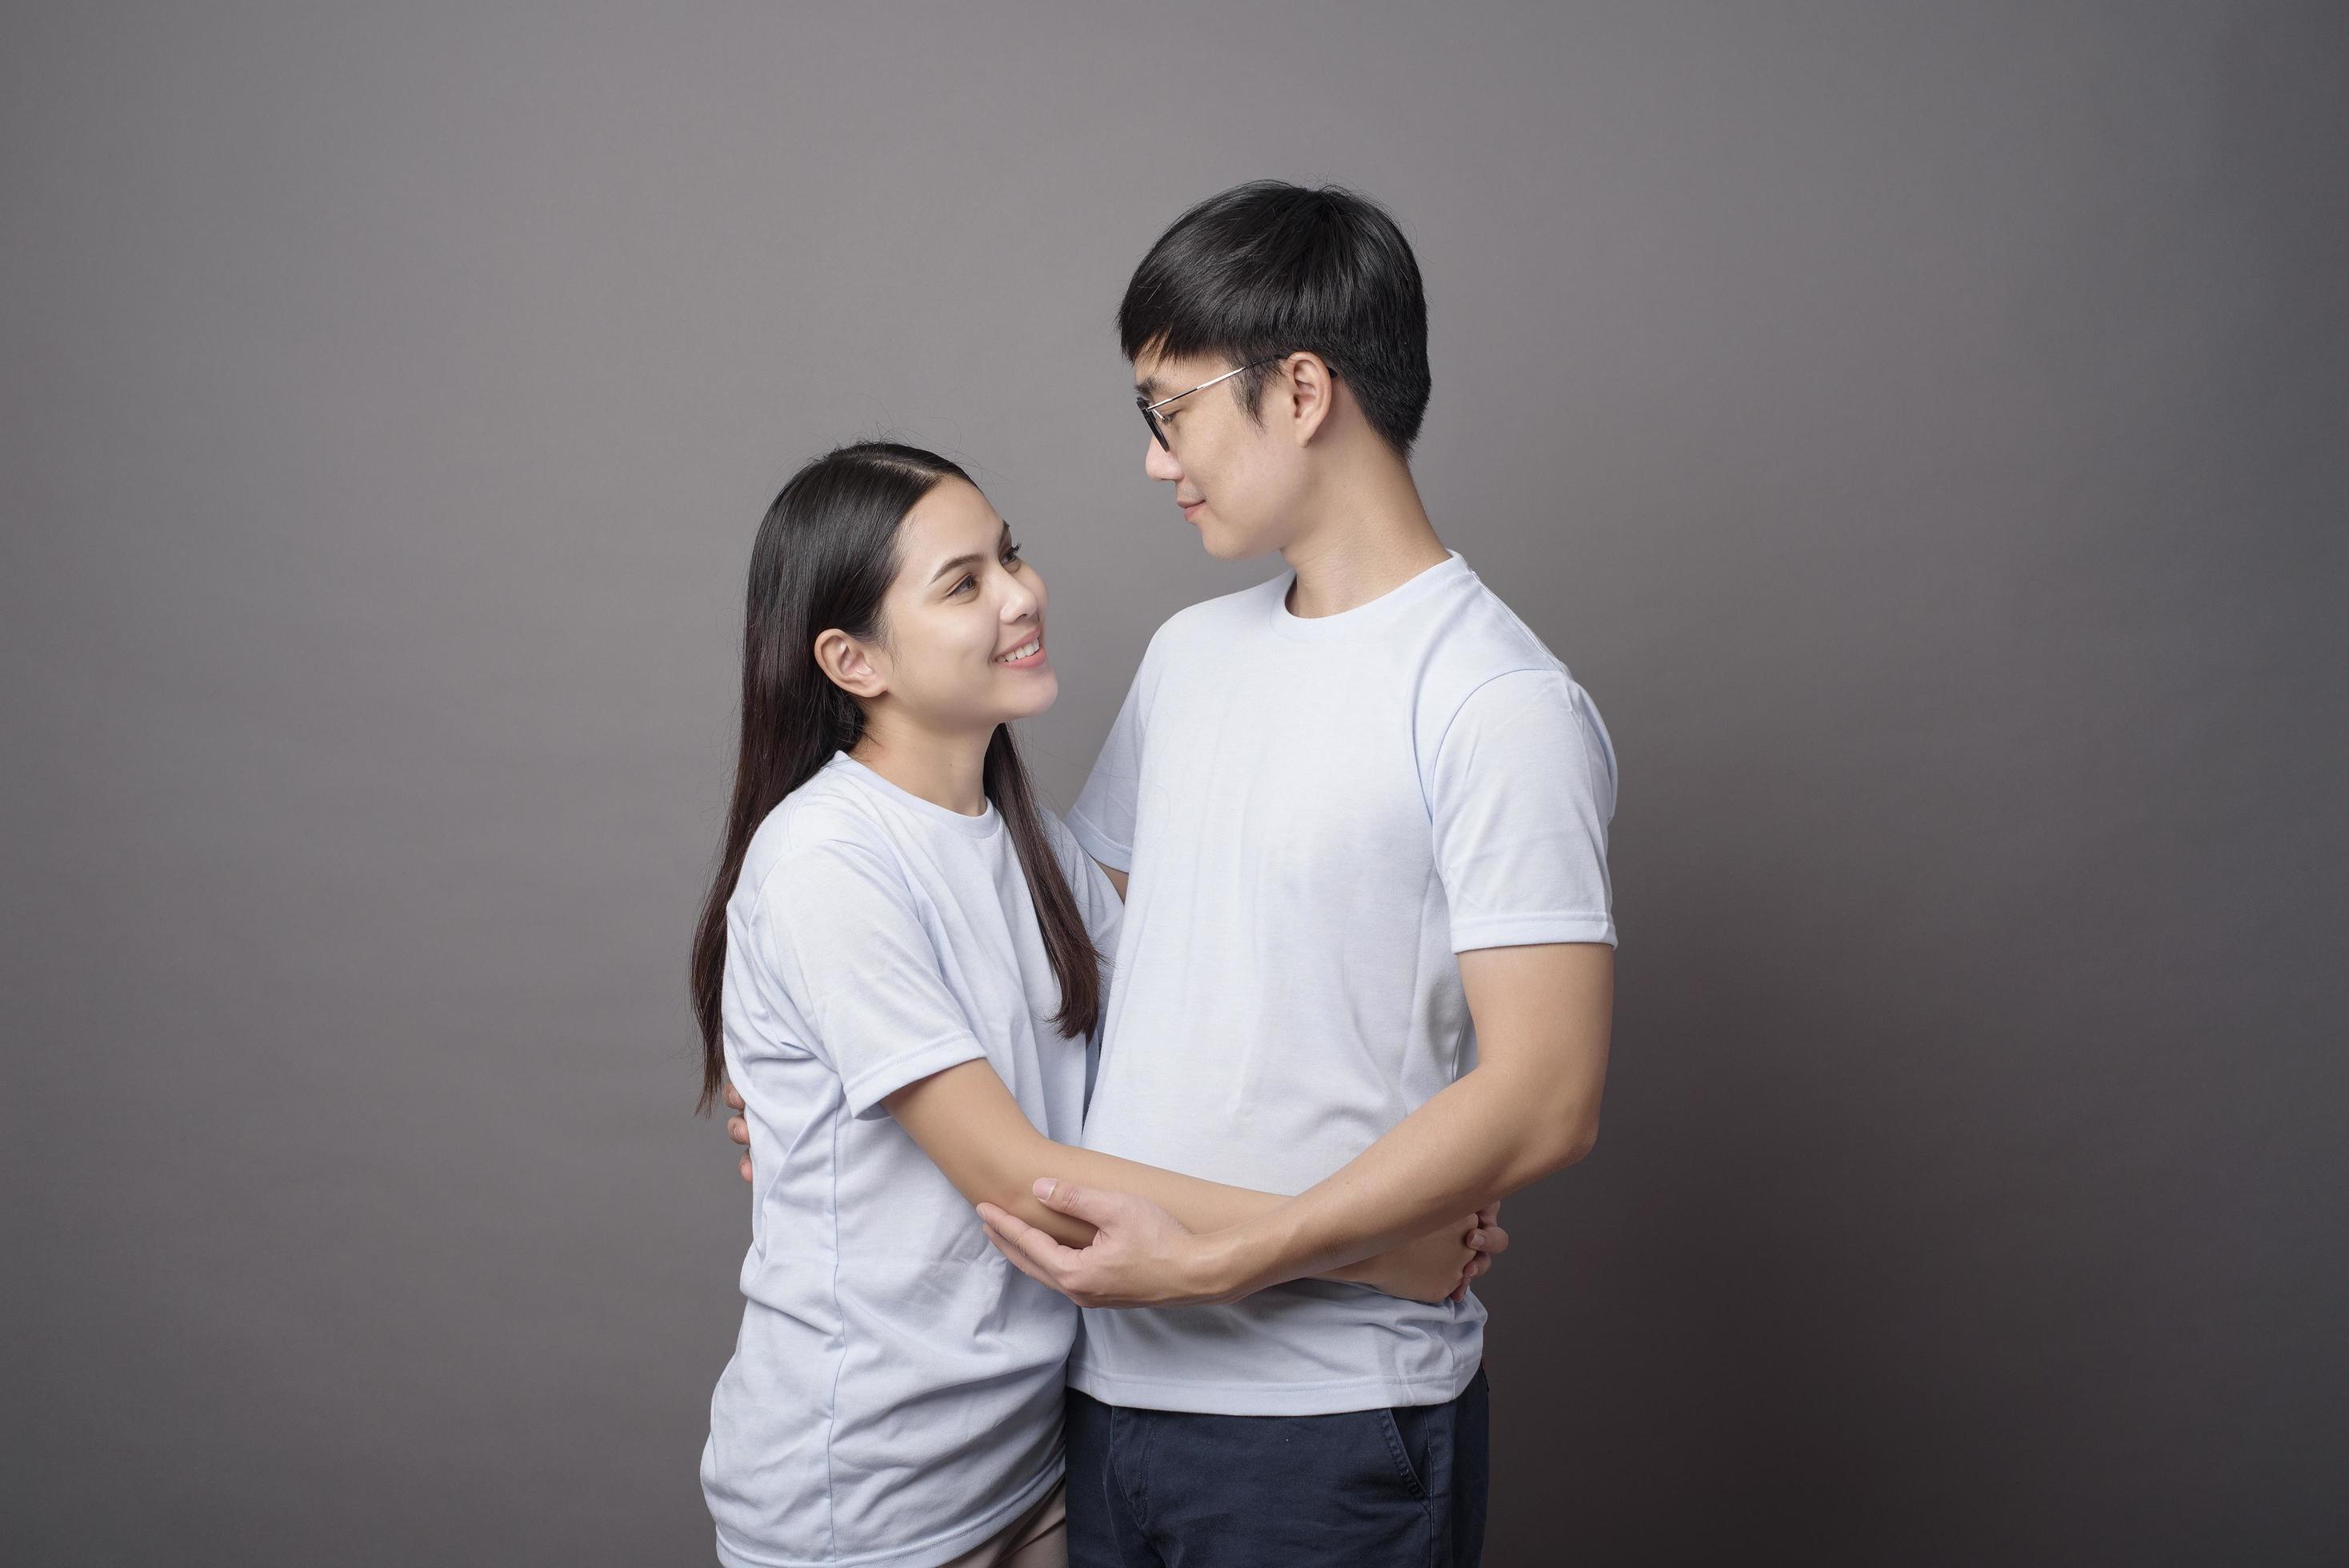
1311	394
849	665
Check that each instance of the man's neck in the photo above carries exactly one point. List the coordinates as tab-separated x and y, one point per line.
1367	538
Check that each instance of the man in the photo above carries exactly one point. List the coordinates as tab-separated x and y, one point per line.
1359	814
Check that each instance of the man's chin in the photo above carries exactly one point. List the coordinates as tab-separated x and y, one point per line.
1226	546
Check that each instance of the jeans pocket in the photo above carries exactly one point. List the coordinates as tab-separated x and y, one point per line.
1405	1470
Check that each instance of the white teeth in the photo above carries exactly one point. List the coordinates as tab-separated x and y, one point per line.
1021	653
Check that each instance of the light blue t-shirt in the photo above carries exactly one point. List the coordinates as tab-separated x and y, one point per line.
895	1396
1317	816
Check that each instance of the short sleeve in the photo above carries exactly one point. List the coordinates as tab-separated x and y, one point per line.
1097	901
1522	792
1102	817
864	968
1104	911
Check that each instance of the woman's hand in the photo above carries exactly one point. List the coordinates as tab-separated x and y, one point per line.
1490	1241
1438	1266
739	1129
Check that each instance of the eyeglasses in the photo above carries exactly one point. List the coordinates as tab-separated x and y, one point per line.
1150	410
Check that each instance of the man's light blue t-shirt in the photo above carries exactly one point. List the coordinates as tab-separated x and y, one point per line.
1317	816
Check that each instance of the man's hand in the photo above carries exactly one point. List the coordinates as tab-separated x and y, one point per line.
1140	1254
1412	1270
739	1129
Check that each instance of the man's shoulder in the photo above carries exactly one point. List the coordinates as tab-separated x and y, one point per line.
1469	636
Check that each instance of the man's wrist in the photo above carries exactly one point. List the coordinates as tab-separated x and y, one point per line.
1240	1259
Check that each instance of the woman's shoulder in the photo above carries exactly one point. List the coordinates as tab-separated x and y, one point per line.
822	824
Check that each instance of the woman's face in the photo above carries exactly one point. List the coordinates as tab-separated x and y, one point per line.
962	643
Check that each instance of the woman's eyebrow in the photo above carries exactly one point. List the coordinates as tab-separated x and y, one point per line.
973	558
956	564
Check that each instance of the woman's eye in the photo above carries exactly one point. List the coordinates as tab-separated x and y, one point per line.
966	582
1011	558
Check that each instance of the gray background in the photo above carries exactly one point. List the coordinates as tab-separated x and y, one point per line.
1921	427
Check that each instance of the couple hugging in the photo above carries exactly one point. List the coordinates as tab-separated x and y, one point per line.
1118	1182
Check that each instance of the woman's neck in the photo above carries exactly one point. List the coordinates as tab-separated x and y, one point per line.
945	770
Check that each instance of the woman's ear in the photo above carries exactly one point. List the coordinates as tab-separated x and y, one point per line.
849	666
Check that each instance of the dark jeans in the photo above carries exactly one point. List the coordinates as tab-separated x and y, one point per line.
1160	1489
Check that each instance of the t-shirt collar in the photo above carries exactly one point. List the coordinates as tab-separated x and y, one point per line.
1305	628
985	825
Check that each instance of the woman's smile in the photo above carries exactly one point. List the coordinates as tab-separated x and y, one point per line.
1027	655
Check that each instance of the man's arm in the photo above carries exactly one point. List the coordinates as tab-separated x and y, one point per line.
988	1176
1529	1107
971	1128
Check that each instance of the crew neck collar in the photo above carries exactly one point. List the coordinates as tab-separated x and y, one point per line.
985	825
1306	627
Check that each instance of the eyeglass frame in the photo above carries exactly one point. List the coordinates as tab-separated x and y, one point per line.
1150	410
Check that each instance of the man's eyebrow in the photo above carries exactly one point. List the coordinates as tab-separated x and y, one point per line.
959	562
1148	388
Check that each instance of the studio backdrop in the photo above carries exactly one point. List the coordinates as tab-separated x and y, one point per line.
1921	427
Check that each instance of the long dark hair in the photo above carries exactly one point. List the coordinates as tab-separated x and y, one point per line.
825	557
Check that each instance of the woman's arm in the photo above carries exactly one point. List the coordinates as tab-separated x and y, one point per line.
968	1124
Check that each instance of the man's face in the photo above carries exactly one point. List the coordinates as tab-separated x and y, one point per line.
1237	480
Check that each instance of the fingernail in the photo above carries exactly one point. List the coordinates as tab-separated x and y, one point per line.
1045	1187
1476	1238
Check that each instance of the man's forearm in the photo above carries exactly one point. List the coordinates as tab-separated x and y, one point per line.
1211	1206
971	1128
1543	1015
1483	1138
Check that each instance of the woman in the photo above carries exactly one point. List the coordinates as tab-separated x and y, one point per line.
899	968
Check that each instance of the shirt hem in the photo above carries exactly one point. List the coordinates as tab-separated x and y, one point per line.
1191	1397
925	1555
866	1092
1531	930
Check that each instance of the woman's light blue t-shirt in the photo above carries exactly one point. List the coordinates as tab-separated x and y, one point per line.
895	1396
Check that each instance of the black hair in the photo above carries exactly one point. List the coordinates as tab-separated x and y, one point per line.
1268	269
825	558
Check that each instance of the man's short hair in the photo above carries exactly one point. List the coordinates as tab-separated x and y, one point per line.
1269	269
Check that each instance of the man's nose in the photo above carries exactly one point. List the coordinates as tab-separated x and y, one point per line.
1159	463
